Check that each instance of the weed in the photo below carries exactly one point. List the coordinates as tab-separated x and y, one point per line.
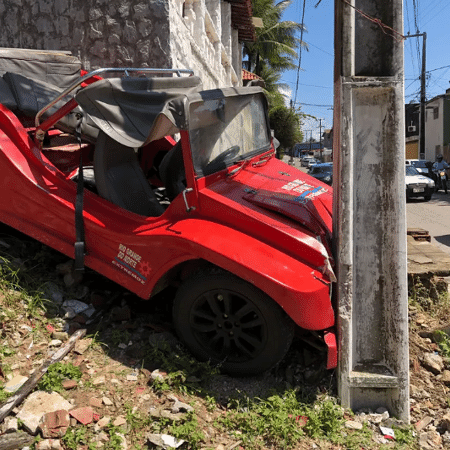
426	294
181	368
74	437
135	419
443	340
404	436
281	420
115	438
4	395
211	403
189	430
6	351
56	374
119	337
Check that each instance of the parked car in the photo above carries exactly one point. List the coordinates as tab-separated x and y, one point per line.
92	167
308	161
420	165
323	172
418	185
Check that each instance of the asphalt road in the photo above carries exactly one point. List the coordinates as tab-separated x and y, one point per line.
433	216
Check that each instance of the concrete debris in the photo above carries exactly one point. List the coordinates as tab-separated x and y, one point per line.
99	380
107	401
15	383
95	402
119	421
165	440
36	405
353	425
54	293
423	423
82	345
433	363
156	375
72	308
60	335
49	444
430	440
10	425
179	406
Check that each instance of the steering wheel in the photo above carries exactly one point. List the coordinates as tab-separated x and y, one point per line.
229	153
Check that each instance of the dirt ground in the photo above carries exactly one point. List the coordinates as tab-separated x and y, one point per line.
136	377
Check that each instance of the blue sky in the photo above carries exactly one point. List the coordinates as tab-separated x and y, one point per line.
315	80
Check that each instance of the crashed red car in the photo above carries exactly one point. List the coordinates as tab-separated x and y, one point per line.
153	182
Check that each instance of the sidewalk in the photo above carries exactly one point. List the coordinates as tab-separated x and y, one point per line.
425	258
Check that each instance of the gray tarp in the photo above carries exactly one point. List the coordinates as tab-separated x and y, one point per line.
134	111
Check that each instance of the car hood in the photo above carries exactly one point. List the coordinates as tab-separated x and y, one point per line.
414	179
286	196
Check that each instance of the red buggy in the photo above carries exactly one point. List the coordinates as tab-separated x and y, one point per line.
150	180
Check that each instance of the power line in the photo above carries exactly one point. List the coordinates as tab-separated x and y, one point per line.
300	48
321	49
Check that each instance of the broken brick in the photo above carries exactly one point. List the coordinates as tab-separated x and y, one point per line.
54	424
84	415
69	384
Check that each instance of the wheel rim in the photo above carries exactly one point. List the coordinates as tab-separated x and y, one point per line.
228	325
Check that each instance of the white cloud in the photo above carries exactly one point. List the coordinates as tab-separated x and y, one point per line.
287	94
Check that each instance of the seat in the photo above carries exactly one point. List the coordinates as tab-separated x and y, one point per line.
172	172
120	179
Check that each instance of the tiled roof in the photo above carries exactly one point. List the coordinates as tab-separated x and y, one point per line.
246	75
241	19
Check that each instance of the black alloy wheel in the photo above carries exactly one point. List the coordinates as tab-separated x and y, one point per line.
224	319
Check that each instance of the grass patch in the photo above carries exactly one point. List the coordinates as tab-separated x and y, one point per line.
282	420
56	374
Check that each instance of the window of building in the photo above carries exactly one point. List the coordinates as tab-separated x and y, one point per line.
436	113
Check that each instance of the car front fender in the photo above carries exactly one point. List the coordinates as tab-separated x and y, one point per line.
301	290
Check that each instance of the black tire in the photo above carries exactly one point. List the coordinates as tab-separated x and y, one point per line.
229	322
427	198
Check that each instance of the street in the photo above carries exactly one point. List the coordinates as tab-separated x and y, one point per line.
433	216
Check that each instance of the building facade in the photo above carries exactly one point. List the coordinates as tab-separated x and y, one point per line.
437	127
203	35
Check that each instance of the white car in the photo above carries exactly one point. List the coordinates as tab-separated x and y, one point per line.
418	185
419	164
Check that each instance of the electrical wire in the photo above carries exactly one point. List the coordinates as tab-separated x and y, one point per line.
300	49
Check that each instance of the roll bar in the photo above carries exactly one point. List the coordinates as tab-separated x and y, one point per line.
40	133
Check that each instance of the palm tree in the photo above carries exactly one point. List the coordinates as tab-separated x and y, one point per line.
276	42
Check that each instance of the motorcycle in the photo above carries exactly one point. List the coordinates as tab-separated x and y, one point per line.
440	180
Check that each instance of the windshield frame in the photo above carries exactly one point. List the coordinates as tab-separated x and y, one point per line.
227	129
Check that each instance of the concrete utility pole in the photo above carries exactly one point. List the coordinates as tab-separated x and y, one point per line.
369	206
422	93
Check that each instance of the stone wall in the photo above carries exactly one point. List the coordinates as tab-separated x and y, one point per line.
130	33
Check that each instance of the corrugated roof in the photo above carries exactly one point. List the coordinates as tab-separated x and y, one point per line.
241	19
